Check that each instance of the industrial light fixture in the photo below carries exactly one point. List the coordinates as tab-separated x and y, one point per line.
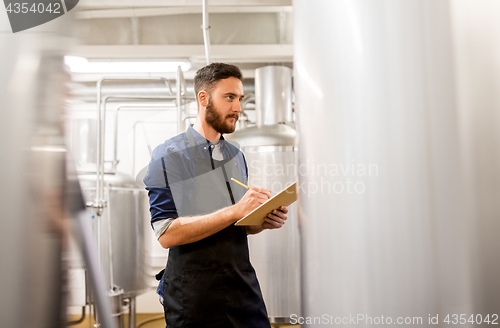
82	65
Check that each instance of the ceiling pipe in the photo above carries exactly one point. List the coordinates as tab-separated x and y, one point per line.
171	11
206	33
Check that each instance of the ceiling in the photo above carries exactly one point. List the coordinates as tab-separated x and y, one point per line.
250	33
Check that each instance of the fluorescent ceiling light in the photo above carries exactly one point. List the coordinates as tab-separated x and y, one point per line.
82	65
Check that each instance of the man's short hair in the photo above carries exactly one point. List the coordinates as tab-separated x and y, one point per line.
207	77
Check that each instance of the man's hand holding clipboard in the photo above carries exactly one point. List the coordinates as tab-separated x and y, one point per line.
272	207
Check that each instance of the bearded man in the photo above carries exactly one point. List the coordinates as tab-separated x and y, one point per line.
209	280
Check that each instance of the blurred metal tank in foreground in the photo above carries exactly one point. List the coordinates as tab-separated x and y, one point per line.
32	177
270	153
37	197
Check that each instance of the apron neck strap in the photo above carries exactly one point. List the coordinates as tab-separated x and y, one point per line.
192	143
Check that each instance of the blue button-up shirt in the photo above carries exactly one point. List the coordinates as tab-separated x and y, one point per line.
173	161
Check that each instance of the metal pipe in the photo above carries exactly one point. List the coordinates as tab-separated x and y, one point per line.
90	314
99	136
100	164
84	238
250	99
183	84
110	243
135	29
180	125
130	108
98	203
206	33
87	93
243	119
183	109
80	320
169	11
131	314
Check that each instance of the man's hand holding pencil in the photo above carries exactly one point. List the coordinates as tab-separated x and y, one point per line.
255	197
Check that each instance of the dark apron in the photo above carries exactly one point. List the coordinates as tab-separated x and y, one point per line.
211	283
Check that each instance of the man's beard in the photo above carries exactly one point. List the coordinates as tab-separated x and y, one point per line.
216	121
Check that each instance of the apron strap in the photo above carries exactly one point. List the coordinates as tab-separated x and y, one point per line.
227	183
194	147
192	143
226	145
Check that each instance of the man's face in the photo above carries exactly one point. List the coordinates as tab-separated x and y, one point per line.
223	106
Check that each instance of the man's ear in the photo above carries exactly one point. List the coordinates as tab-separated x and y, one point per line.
203	98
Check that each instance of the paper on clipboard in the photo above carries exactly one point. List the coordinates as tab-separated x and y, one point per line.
284	198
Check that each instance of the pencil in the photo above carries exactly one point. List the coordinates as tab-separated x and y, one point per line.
241	184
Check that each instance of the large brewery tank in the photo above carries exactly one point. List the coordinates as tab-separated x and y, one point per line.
122	232
270	152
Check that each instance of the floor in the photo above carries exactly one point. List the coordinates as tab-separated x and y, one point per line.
145	320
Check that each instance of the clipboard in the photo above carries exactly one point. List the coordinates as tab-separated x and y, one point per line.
284	198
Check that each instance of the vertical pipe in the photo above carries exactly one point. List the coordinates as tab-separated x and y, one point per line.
98	196
180	121
85	241
115	143
382	227
133	149
135	30
206	33
110	240
101	125
132	313
117	110
102	146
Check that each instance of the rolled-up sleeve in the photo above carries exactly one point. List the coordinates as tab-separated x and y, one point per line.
161	226
162	203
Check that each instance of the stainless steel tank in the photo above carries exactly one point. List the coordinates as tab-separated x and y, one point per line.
271	155
122	232
387	235
475	28
273	95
